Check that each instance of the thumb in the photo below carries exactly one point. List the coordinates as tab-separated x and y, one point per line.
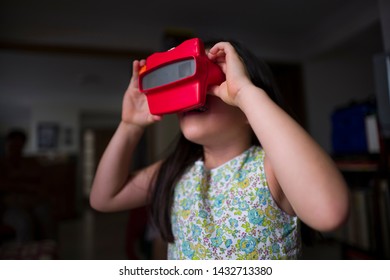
156	118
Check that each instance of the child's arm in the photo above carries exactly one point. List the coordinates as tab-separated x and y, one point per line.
310	183
114	188
307	176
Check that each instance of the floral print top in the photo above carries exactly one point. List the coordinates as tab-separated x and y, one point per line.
229	213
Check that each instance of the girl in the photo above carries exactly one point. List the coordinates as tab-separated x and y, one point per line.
241	177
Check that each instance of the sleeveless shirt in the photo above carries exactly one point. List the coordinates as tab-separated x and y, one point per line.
229	213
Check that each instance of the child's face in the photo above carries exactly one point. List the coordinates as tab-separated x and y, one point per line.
217	125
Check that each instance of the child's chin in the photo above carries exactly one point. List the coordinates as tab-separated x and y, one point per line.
195	135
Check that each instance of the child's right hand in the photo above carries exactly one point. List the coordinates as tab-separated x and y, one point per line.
135	109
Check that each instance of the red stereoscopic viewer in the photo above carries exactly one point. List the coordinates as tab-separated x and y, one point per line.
177	80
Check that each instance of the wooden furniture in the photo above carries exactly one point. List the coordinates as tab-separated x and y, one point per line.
366	235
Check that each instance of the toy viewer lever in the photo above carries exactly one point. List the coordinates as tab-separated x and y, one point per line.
177	80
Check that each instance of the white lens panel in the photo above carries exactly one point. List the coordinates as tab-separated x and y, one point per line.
169	73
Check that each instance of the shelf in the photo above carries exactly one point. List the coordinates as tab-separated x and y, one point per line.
357	166
366	233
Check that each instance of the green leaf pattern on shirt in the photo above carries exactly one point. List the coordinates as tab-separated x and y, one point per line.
229	213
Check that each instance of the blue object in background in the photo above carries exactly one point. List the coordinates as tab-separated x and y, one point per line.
349	129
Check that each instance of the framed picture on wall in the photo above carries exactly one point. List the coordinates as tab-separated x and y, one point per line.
48	135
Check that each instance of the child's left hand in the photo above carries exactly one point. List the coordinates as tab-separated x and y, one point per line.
237	77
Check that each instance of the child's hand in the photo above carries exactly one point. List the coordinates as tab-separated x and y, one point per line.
237	78
135	108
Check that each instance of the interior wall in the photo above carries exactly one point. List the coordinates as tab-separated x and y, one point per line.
384	12
37	87
339	77
58	88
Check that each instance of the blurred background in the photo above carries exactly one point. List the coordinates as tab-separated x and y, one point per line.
65	64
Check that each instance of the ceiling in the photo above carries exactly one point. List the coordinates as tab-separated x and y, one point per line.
283	29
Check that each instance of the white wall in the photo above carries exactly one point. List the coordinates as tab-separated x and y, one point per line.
63	89
36	88
331	83
384	10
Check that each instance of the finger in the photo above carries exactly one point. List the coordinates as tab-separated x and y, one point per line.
222	51
136	67
157	117
219	48
215	53
213	90
137	64
153	118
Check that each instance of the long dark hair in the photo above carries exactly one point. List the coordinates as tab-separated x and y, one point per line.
186	152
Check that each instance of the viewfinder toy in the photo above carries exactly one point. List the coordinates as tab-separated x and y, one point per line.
177	80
